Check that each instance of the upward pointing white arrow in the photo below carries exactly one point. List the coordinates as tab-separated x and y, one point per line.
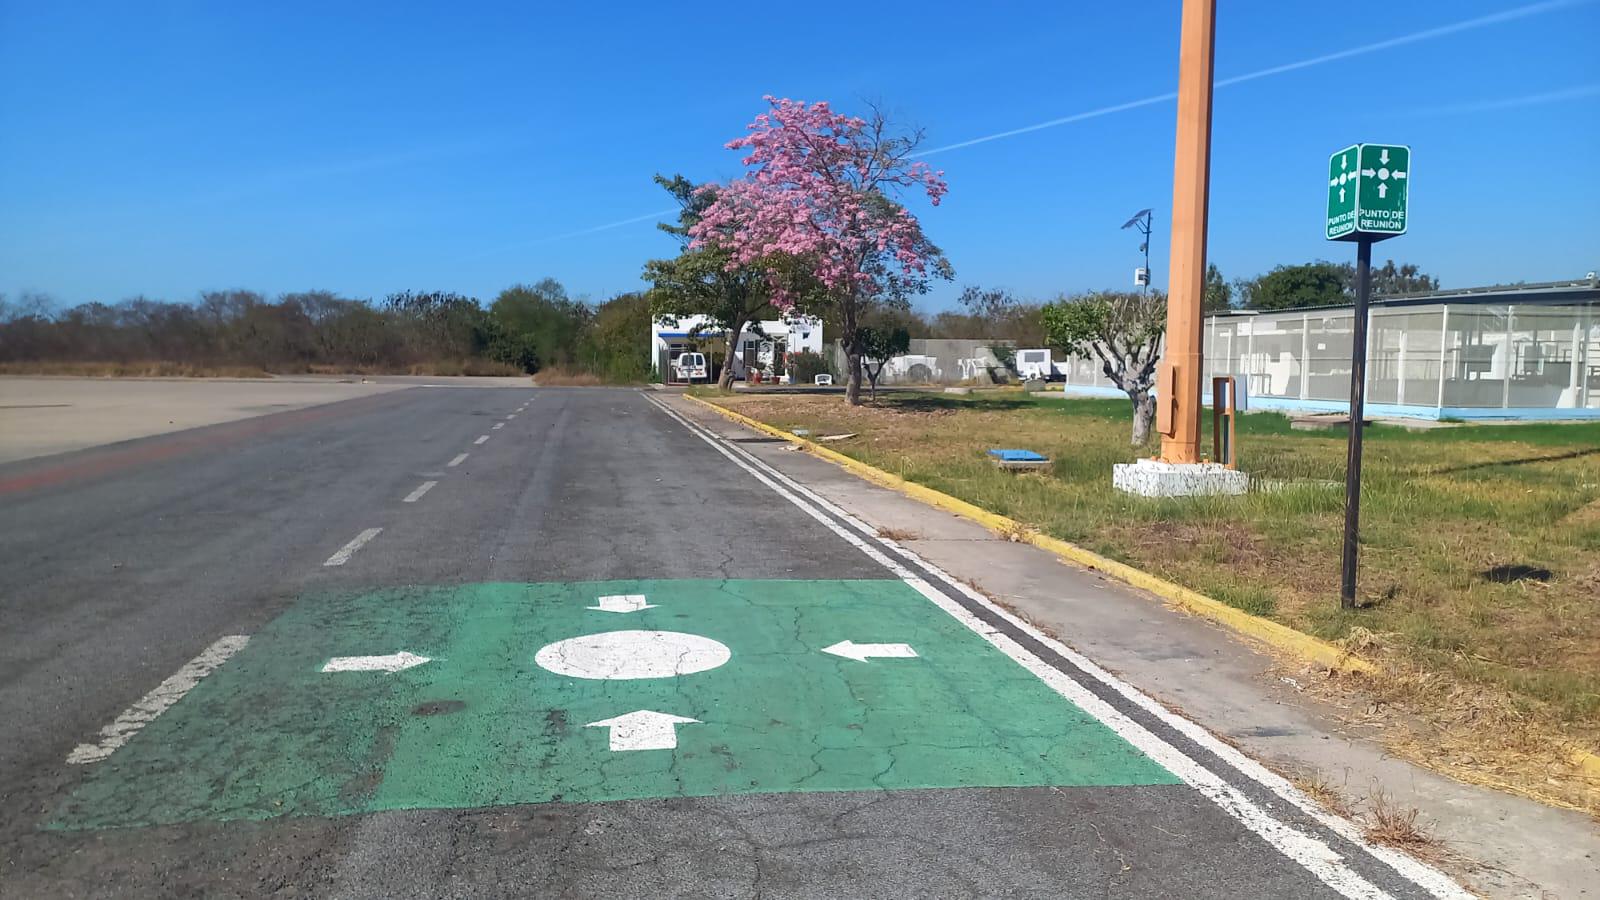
391	663
863	652
1383	190
623	603
643	729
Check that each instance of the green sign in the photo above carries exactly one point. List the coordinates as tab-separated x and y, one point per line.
1367	192
490	694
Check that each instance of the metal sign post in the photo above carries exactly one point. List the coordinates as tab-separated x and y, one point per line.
1367	194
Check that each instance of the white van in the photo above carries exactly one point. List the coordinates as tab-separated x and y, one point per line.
691	367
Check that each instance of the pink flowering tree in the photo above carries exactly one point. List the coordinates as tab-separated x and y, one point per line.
824	188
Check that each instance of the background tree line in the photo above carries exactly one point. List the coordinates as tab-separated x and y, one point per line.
526	329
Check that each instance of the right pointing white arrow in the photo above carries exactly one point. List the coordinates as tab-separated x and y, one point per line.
643	730
863	652
623	603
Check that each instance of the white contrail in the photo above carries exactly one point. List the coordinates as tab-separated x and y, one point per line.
572	234
1572	93
1520	12
609	225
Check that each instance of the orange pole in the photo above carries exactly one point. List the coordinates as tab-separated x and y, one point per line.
1178	418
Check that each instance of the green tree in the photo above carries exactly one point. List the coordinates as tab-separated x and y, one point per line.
700	281
878	346
1218	296
543	317
1123	330
617	344
1319	283
1407	278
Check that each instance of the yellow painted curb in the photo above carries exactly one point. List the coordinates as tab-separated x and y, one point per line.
1265	630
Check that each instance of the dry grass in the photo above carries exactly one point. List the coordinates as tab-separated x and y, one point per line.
148	369
1328	795
1478	673
557	377
1393	825
449	367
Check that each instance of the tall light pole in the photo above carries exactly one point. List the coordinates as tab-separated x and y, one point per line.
1142	220
1178	388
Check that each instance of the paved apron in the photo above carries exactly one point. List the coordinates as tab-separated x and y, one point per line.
598	691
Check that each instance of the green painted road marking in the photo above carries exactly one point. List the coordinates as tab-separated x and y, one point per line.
480	724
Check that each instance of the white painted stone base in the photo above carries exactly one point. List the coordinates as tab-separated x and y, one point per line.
1154	478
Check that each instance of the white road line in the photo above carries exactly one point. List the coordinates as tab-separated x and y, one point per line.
498	426
510	416
481	439
1426	876
416	495
460	458
1310	852
158	701
349	550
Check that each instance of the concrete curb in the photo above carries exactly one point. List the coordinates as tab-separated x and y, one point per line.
1280	636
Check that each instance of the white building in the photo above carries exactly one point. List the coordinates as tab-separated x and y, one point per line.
1518	352
761	345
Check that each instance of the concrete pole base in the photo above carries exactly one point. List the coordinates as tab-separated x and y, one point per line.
1154	478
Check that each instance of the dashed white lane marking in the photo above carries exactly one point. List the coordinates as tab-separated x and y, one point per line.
498	426
481	439
156	702
416	495
510	416
460	458
1311	853
349	550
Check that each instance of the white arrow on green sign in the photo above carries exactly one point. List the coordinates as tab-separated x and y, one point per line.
1367	191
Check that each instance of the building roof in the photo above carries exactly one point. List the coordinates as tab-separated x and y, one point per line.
1557	293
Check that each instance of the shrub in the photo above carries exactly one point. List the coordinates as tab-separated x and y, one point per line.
806	365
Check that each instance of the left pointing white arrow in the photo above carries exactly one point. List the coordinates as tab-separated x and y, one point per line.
864	652
394	662
643	730
623	603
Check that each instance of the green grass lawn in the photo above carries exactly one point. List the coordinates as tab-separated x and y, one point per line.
1441	510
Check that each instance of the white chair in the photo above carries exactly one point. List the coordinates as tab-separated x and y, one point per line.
823	379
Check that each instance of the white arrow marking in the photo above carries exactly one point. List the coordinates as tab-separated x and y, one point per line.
643	730
1399	174
863	652
1343	160
1383	156
1369	172
1341	195
623	603
394	662
1383	191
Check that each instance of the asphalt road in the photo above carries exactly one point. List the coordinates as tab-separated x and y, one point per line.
170	619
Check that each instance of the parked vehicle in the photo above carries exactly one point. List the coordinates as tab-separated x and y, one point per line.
691	366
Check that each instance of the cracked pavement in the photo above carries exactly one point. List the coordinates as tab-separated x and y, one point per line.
112	582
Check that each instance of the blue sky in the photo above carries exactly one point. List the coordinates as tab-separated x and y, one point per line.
167	148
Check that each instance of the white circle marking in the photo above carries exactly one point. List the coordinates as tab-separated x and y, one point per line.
624	655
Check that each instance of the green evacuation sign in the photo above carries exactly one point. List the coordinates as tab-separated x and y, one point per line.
492	694
1367	191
